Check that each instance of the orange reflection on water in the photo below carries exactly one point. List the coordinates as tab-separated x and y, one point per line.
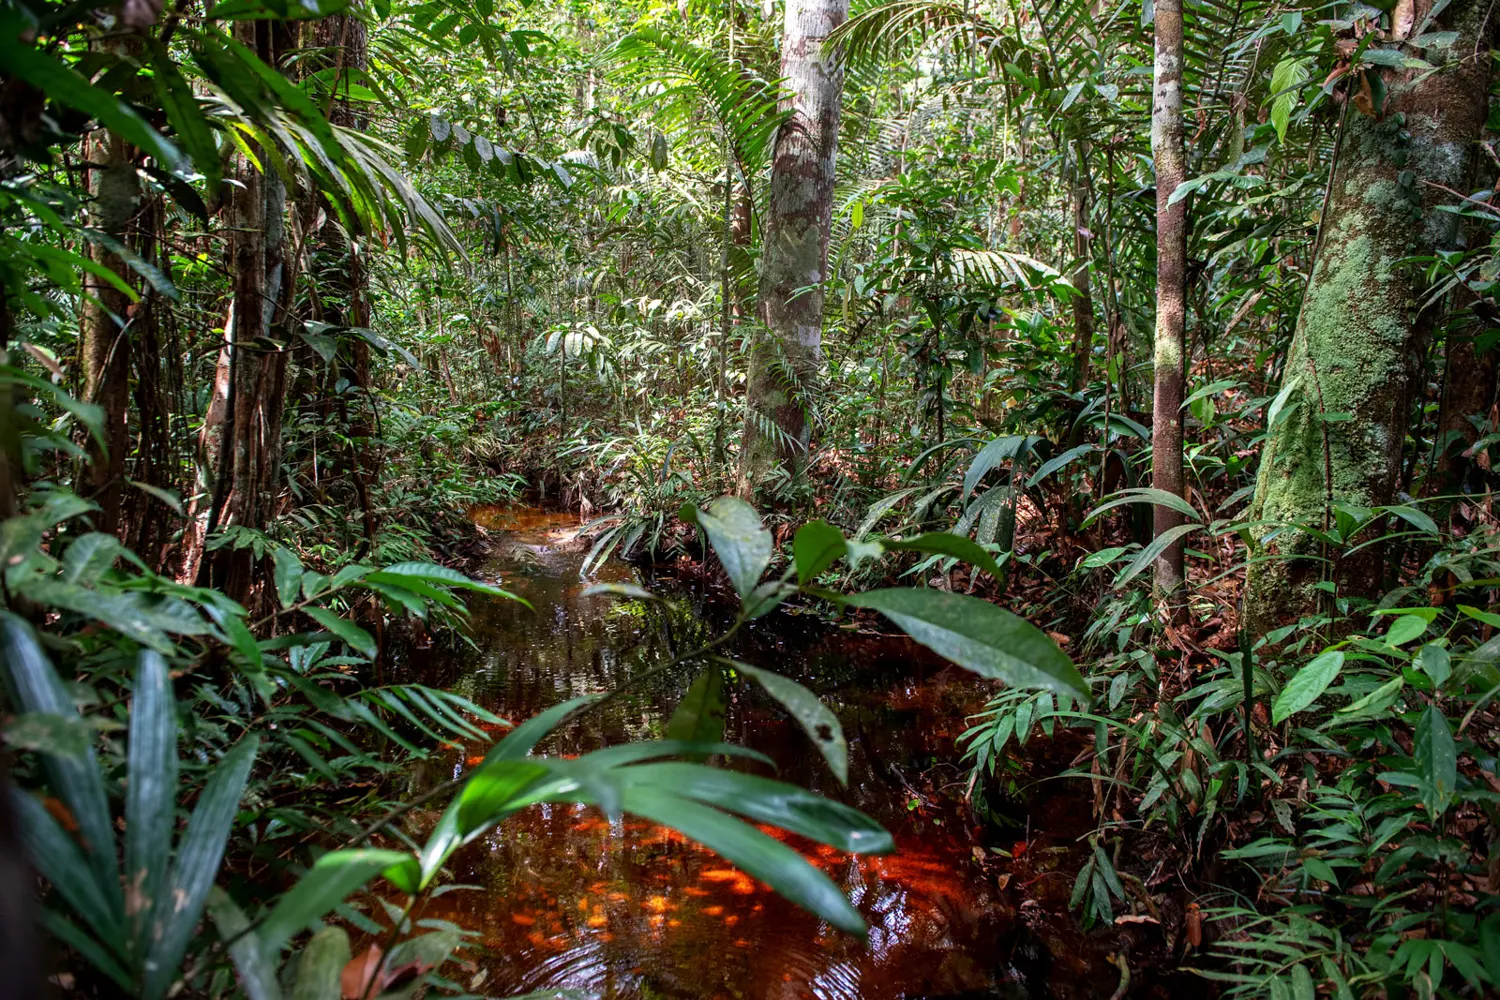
636	914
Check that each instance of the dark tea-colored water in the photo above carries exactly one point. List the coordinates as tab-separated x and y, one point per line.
563	898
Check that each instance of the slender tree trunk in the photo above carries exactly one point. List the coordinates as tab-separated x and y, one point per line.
786	356
1357	348
1171	278
1083	302
116	191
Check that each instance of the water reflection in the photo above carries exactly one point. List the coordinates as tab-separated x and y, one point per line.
567	899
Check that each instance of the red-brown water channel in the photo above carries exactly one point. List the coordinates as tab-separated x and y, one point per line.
565	899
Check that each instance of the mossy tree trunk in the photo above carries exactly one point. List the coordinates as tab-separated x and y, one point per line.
786	356
1355	359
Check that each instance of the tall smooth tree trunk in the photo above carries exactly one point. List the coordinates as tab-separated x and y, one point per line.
1357	347
786	356
116	191
1171	283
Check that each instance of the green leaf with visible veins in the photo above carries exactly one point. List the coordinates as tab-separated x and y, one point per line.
979	636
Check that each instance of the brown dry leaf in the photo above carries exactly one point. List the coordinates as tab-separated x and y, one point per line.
1403	19
360	972
1364	99
1136	918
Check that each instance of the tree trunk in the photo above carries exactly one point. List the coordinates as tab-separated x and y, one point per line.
116	191
250	447
1357	348
1083	302
1171	283
786	356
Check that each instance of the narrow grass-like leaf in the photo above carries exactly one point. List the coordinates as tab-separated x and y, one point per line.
150	793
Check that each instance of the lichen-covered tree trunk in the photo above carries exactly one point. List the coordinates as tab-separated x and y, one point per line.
116	191
786	356
1171	283
1355	359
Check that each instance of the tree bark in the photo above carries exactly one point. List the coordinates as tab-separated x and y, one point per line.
116	191
786	356
1357	346
1171	283
1083	302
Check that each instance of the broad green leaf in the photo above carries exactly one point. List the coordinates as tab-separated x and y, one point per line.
817	546
738	538
1375	702
435	574
358	639
771	861
1435	662
321	965
87	946
1488	617
519	741
89	557
979	636
816	719
767	801
699	717
1437	759
1416	518
287	570
1305	687
496	790
1405	629
150	792
325	885
946	543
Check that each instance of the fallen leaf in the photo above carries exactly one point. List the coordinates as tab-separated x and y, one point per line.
360	972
